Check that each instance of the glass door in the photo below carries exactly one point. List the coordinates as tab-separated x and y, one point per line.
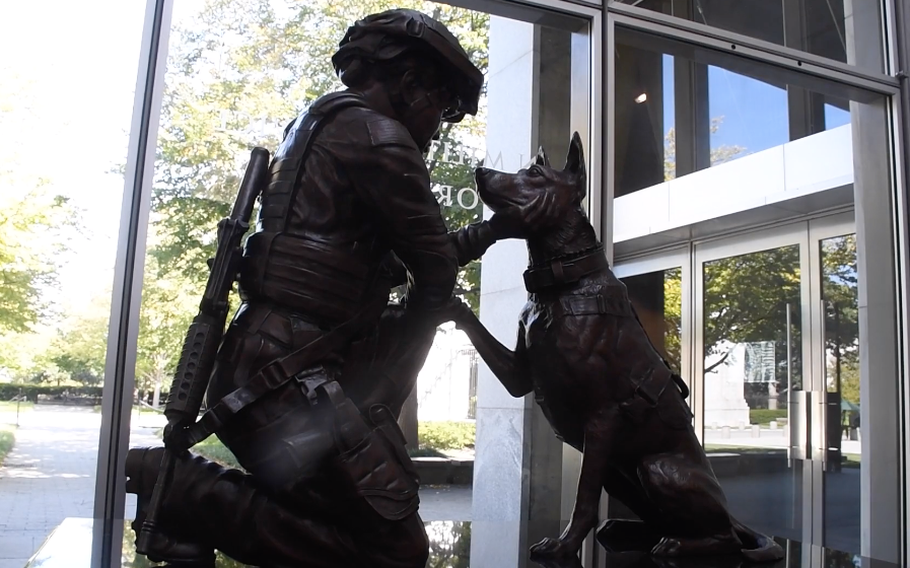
778	362
751	340
837	455
765	328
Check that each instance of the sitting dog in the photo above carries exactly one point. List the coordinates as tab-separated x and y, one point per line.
601	383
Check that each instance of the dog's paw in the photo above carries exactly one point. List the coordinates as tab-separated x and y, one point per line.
553	548
456	310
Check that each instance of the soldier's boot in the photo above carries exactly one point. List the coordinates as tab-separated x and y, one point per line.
142	467
229	509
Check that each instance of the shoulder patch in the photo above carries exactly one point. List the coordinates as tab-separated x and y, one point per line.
388	132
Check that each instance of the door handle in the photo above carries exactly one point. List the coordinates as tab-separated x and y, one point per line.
821	450
798	409
818	429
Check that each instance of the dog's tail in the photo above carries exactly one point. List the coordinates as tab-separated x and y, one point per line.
757	547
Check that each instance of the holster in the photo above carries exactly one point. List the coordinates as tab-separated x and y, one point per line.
378	466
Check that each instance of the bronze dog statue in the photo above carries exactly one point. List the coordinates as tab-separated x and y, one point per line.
601	383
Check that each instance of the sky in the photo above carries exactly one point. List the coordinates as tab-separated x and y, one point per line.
754	113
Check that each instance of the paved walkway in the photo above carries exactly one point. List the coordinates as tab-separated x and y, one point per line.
50	475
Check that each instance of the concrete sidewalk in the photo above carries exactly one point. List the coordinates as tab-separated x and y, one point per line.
50	474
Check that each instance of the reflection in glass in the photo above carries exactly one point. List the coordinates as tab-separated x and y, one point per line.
680	112
450	546
752	364
842	378
843	30
657	298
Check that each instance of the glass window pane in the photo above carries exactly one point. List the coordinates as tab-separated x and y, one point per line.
839	287
752	368
677	114
849	31
657	299
67	79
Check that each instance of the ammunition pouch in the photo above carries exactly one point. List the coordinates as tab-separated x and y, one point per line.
651	395
378	467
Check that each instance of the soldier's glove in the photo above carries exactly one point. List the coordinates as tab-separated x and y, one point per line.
519	222
175	433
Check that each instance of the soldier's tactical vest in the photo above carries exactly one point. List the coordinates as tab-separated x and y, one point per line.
322	280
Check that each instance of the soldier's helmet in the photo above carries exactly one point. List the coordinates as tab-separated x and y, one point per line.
384	36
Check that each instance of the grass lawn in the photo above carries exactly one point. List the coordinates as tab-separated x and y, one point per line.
213	449
7	439
8	406
720	448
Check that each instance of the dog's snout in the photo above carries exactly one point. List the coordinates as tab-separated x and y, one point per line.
481	172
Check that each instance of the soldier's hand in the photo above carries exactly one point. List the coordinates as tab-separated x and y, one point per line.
519	222
175	433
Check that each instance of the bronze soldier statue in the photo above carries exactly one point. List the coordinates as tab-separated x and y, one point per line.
316	364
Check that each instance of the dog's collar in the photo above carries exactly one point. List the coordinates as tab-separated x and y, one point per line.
564	270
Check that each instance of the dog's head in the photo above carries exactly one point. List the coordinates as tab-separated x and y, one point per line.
564	189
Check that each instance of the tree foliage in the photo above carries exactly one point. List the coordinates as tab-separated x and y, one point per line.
840	292
746	300
30	245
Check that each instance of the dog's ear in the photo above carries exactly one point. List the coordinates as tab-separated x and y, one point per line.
575	163
542	159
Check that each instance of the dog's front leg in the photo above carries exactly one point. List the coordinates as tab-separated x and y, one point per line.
594	463
510	367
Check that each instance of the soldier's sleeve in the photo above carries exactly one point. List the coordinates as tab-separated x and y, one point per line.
392	178
472	241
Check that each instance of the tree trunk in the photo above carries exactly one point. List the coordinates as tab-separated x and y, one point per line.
408	420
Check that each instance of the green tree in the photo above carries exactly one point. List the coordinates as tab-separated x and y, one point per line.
840	292
673	316
169	303
30	244
746	300
77	351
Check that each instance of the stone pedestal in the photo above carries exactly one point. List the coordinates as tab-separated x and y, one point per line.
725	403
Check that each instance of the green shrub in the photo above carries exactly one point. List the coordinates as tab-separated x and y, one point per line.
7	439
425	453
446	435
9	391
765	416
212	448
433	436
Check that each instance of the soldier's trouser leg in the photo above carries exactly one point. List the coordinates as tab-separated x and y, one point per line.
284	444
228	510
